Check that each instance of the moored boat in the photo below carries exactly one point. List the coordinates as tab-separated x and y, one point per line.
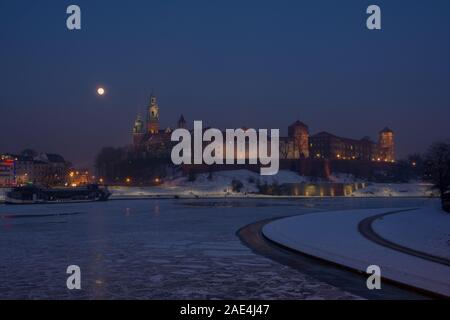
35	194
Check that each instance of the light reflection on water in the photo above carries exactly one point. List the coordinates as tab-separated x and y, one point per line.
320	189
147	248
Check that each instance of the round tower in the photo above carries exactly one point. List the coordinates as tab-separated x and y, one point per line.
386	145
299	132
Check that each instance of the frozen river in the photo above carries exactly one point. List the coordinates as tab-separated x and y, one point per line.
156	249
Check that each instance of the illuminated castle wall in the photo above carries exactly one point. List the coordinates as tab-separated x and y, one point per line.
386	145
297	145
153	116
325	145
148	135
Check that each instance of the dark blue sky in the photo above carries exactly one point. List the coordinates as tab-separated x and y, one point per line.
229	63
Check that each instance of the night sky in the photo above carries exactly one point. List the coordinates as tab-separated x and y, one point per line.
232	63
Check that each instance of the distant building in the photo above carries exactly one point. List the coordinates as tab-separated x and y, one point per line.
386	145
44	168
78	177
296	144
138	131
298	132
325	145
27	169
7	176
149	138
53	168
153	116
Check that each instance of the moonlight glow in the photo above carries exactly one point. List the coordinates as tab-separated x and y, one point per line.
100	91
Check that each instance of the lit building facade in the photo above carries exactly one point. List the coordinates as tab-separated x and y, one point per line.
386	145
148	136
153	116
298	133
298	144
325	145
138	131
7	171
45	168
78	177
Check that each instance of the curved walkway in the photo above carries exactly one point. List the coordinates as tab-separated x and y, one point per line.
345	238
366	229
333	274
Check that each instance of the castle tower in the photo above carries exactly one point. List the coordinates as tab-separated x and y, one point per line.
386	145
299	132
181	124
153	116
138	131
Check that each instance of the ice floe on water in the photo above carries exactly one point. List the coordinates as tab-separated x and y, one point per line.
156	249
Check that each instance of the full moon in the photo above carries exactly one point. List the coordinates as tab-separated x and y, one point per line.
101	91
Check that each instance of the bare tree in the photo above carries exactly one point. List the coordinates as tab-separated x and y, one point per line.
438	166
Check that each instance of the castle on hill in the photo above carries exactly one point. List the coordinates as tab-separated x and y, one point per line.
298	144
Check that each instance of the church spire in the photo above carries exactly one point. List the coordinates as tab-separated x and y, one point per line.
138	125
138	130
181	124
153	116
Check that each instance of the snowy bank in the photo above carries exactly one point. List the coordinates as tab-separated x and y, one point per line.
216	184
426	230
3	192
343	178
396	190
334	236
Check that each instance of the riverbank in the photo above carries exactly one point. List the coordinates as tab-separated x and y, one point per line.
250	184
199	191
303	190
285	183
3	192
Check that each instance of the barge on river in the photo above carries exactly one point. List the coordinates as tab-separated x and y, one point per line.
35	195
